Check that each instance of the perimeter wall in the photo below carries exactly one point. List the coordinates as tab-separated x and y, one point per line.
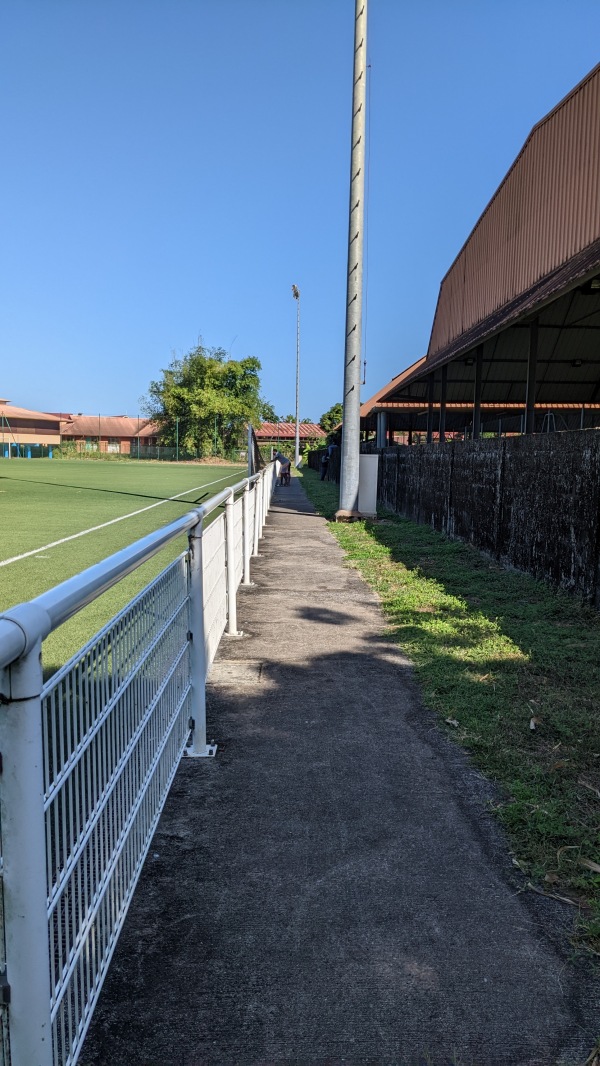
533	502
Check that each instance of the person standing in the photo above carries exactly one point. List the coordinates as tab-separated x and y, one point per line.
284	467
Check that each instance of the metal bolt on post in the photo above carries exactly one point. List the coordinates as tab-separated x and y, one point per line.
199	748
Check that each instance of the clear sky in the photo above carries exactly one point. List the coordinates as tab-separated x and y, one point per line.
172	167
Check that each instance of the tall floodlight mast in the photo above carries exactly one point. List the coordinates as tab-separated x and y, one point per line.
351	424
296	295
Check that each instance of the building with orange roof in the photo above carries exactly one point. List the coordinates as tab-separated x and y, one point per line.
27	432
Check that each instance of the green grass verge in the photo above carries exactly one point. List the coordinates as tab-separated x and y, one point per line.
42	501
513	669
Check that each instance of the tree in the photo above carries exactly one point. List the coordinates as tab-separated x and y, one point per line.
268	413
206	399
332	417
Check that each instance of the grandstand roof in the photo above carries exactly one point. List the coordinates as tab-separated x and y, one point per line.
381	398
533	255
545	212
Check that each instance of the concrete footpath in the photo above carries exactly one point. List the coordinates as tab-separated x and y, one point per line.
331	888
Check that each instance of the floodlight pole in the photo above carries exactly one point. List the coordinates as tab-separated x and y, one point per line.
296	295
349	469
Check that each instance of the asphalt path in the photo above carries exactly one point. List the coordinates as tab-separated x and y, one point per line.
332	887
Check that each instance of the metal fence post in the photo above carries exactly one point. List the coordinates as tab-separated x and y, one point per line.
232	628
262	502
269	493
268	482
256	530
199	748
24	863
248	533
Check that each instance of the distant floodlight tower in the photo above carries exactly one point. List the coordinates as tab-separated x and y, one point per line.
296	295
350	455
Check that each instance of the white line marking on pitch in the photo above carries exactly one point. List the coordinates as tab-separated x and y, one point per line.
103	525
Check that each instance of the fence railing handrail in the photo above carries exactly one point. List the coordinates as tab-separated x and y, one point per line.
90	754
24	624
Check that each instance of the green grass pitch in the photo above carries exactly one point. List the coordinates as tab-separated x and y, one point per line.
43	501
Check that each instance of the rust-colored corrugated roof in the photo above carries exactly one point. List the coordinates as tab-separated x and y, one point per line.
118	426
545	213
8	411
287	431
388	390
568	356
149	429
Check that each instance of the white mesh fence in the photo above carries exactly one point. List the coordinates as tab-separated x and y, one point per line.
214	586
112	726
115	721
238	540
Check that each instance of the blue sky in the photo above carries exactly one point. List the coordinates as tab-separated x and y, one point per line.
171	167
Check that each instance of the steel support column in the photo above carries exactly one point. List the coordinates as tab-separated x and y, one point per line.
381	440
477	393
442	427
430	388
531	377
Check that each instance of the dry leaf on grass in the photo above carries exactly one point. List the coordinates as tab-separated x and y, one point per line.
567	847
590	865
592	788
562	899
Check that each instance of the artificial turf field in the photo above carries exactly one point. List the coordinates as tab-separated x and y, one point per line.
45	500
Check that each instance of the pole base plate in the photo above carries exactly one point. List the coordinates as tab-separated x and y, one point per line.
347	516
206	753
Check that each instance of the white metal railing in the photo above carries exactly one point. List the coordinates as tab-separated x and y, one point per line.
88	759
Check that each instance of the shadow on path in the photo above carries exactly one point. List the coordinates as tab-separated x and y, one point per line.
330	888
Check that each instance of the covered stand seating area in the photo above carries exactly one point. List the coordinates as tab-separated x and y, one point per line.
515	342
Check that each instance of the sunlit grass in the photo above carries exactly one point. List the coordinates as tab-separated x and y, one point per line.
42	501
